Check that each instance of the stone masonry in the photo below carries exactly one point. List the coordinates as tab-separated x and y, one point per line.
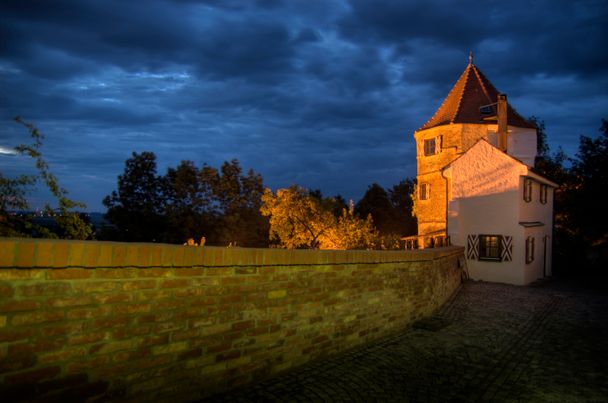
145	322
492	342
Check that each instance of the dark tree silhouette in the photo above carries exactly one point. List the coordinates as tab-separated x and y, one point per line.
137	207
376	202
189	207
239	198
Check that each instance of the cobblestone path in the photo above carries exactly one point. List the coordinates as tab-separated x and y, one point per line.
491	342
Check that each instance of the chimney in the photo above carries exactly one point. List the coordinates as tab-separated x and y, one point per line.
502	122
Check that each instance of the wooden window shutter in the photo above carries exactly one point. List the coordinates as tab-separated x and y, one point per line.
507	248
472	247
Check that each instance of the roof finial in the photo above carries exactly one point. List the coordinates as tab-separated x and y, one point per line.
470	57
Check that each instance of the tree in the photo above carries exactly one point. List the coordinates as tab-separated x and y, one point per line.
70	224
542	146
549	165
297	220
302	219
137	208
189	206
581	225
375	201
392	210
400	196
12	197
238	199
351	232
590	175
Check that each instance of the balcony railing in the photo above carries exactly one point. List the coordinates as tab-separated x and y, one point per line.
426	241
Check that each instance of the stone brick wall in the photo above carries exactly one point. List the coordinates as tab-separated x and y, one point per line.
144	322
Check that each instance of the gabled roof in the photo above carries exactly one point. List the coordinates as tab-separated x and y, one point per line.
462	105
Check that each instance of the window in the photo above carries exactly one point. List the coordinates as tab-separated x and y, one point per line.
490	247
429	146
433	146
527	189
529	249
425	191
543	194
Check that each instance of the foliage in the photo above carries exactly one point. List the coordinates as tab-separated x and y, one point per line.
12	197
137	207
301	219
590	175
351	232
581	225
391	210
70	224
188	202
238	199
297	219
542	146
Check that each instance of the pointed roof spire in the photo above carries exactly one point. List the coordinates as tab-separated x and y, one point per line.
465	100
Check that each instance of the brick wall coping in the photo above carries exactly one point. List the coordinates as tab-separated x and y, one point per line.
52	253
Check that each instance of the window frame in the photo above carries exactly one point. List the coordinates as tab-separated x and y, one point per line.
527	190
437	143
424	191
530	249
484	248
544	190
427	148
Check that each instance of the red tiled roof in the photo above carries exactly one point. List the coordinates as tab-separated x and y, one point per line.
462	105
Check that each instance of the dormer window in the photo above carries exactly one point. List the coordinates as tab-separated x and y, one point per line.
432	146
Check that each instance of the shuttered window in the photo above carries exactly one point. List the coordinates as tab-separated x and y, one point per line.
527	190
490	247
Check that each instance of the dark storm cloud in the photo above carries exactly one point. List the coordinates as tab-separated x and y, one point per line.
552	37
323	94
260	49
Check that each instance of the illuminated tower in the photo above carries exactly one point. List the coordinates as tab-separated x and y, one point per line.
472	110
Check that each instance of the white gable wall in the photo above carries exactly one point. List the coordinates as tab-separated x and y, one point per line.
486	197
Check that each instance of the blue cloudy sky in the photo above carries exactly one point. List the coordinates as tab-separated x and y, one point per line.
325	94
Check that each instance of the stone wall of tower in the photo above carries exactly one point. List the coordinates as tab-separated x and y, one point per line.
456	139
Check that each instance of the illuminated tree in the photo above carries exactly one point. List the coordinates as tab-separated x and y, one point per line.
297	220
351	232
301	220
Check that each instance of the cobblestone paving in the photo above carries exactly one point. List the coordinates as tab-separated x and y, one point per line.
491	342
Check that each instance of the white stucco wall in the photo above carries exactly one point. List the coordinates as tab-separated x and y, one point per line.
521	142
535	211
489	215
486	197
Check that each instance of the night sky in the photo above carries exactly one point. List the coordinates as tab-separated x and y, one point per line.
325	94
